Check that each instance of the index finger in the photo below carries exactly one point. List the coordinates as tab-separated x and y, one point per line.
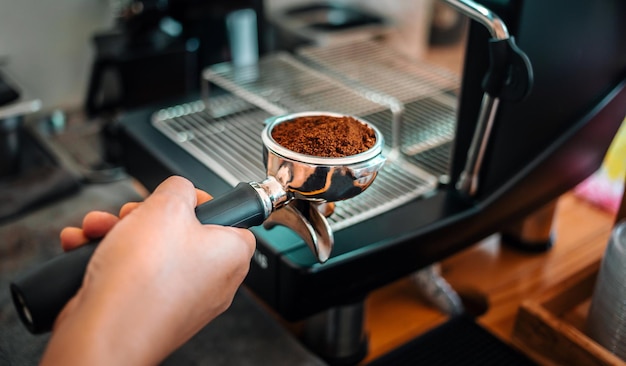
202	196
128	207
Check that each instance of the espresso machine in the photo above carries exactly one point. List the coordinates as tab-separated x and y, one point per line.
541	97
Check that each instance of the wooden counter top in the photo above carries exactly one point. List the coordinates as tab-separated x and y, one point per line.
502	276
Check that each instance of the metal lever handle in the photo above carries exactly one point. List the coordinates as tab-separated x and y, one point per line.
40	295
509	77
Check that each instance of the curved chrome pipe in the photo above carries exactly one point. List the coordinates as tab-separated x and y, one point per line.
484	16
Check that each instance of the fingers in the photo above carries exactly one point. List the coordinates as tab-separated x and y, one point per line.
244	236
177	187
72	237
127	208
202	196
247	236
97	223
176	196
179	184
169	185
173	193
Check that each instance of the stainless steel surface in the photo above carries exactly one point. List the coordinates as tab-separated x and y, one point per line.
281	84
226	136
306	219
271	193
468	181
306	178
338	332
380	68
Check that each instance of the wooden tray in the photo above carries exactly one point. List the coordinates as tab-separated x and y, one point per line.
550	329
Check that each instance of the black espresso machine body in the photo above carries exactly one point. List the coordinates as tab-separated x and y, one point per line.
539	148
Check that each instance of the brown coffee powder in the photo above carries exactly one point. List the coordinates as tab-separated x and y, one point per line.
324	136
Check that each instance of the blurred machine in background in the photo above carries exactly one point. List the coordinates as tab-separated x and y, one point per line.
158	48
29	174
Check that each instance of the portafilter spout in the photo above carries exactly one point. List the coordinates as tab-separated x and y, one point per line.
40	294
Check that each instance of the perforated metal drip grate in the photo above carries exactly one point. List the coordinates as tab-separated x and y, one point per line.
426	91
230	145
435	161
224	132
281	84
428	123
380	68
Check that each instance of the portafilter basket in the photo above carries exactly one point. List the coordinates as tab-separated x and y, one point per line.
295	184
315	178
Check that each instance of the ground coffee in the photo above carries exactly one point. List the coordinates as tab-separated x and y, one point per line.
324	136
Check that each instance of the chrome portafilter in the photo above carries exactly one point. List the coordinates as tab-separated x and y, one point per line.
297	193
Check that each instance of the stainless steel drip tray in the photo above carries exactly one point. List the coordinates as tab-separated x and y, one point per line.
225	135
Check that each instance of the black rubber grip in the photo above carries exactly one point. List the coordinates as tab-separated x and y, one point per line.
40	294
240	207
510	74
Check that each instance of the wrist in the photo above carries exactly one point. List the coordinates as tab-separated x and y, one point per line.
105	329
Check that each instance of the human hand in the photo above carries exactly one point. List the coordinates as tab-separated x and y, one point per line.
155	280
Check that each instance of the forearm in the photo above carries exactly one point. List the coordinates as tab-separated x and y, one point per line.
108	329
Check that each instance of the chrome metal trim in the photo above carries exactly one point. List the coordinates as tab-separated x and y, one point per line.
468	181
481	14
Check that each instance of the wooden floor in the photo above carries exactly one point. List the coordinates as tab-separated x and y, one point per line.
502	276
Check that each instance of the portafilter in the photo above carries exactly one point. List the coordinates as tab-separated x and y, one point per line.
295	187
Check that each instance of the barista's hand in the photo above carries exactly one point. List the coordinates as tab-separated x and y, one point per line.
155	280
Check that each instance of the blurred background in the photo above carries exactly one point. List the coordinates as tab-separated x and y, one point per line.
49	47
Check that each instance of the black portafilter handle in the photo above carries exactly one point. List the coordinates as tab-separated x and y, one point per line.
40	294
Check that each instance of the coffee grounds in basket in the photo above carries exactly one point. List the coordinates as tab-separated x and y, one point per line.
324	136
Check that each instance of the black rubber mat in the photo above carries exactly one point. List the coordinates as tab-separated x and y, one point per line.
459	341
